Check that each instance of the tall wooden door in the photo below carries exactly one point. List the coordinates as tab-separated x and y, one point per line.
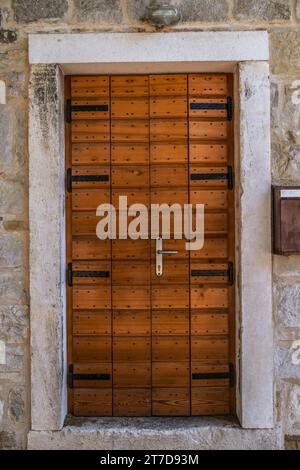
140	342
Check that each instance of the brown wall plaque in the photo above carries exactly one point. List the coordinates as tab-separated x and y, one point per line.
286	220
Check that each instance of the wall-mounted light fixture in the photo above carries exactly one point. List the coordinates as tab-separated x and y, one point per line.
163	14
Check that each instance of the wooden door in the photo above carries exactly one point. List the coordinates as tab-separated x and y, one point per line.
140	344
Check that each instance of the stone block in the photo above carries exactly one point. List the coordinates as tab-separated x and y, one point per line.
4	15
298	10
287	266
285	367
287	301
1	414
12	289
285	163
16	84
292	443
205	11
20	136
267	10
98	11
14	323
11	250
39	10
285	51
8	440
7	36
137	9
14	359
6	135
11	196
16	406
286	121
14	225
292	410
13	60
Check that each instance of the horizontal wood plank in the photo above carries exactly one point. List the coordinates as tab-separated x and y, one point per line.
132	402
210	401
90	153
131	323
171	401
208	84
92	323
170	348
209	297
170	322
92	402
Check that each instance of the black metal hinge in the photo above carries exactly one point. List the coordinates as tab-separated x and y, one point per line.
72	376
83	179
82	108
71	274
219	106
218	375
216	272
215	176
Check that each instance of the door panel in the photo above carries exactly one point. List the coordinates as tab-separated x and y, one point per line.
171	402
84	248
209	323
168	130
129	108
129	131
90	324
165	152
90	131
170	322
206	297
132	402
89	87
133	375
166	85
210	401
171	349
90	154
89	199
208	84
133	153
139	343
132	323
90	349
130	177
208	153
170	374
93	368
162	107
92	402
92	298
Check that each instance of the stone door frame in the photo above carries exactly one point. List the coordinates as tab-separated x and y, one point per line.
246	55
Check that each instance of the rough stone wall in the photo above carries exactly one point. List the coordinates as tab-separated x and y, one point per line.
20	17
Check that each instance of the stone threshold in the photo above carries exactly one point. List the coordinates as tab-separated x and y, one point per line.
190	433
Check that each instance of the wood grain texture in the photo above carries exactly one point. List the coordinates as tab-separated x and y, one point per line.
149	334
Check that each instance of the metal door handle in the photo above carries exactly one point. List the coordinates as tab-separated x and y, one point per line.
159	256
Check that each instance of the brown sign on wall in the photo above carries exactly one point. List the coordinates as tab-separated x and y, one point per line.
286	220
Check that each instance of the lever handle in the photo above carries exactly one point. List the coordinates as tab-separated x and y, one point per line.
167	252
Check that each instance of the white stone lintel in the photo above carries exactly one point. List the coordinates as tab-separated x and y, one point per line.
112	48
